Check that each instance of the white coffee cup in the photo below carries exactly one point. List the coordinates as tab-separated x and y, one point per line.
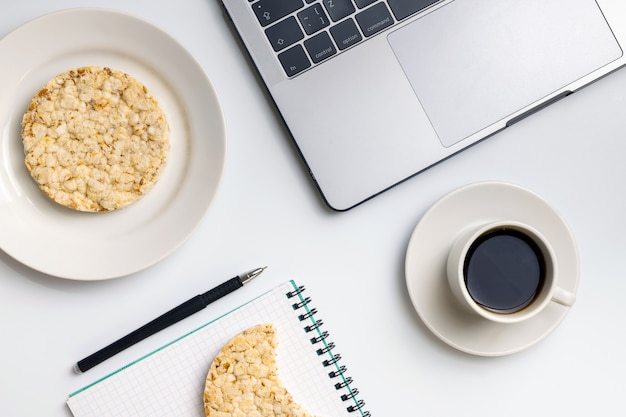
505	271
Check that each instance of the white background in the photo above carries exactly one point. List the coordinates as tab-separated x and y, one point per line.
267	212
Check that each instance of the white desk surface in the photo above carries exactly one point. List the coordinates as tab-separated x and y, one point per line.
267	212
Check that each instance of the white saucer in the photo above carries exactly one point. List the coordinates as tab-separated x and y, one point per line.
426	266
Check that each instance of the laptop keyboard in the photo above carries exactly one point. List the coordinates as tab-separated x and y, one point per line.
304	33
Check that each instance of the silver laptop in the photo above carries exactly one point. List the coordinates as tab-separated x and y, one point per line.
375	91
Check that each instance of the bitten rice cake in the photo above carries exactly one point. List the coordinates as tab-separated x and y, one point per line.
243	381
95	139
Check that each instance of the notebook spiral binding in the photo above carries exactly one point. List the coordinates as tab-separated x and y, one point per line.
320	337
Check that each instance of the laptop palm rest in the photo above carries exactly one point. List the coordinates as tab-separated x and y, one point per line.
473	64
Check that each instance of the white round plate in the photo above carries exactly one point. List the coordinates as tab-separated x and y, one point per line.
91	246
426	266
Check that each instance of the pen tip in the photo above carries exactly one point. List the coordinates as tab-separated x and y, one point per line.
77	369
247	277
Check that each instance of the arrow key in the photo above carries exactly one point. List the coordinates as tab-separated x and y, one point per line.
284	33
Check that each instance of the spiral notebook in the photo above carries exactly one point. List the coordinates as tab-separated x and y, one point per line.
170	381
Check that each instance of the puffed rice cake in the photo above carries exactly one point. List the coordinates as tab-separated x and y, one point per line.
95	139
243	379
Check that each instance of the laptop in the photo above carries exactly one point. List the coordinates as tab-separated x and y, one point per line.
376	91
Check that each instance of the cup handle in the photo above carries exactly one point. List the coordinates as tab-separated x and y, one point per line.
563	297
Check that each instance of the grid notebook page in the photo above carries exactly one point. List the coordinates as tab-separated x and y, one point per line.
170	381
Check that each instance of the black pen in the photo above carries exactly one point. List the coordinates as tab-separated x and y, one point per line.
175	315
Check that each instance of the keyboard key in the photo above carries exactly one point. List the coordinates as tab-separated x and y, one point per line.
284	34
294	60
364	3
320	47
338	9
270	11
313	19
405	8
345	34
374	19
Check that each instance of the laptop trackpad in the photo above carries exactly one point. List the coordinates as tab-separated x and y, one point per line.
473	64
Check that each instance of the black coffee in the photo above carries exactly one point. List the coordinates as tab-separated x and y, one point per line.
504	270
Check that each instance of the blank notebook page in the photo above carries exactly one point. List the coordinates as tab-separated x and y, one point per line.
170	381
